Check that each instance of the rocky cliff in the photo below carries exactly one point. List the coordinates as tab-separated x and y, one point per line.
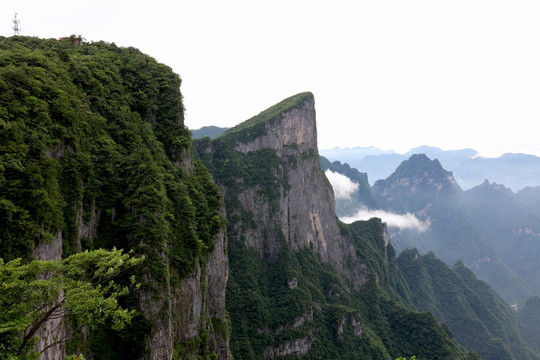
302	283
295	204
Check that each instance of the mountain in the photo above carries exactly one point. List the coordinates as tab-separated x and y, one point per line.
422	187
491	229
210	131
512	226
516	171
303	284
475	314
95	154
360	197
531	197
529	321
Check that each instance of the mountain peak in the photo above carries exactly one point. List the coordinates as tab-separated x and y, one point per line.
290	123
418	177
274	112
491	188
420	165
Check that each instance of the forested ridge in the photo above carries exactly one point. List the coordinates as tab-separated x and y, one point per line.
93	150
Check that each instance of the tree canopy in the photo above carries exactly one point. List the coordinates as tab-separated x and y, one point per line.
81	289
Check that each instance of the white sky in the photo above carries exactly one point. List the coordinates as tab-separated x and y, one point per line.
392	74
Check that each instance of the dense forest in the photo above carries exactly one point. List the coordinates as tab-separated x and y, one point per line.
93	151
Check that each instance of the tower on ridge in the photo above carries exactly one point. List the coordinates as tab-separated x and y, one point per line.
16	26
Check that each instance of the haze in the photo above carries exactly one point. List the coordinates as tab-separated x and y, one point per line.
390	74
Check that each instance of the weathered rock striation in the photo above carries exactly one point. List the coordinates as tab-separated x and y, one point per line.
303	284
302	214
285	203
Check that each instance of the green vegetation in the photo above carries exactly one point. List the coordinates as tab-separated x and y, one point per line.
339	324
92	136
479	319
81	289
256	126
529	321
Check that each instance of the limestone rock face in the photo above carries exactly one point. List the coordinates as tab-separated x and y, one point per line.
304	215
54	328
195	307
180	313
297	348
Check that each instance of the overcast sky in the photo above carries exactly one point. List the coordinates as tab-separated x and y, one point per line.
392	74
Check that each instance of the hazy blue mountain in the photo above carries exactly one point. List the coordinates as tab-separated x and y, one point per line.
515	171
379	164
449	159
422	187
531	197
512	226
529	321
487	227
211	131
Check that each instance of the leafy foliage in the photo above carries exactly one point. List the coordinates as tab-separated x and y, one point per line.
92	137
80	288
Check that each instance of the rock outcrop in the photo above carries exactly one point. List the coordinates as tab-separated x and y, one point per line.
55	328
278	199
301	212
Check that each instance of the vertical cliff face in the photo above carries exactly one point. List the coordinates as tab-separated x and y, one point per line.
54	328
302	284
294	204
198	303
96	152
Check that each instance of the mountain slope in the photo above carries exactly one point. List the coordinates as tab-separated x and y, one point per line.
479	319
302	284
513	229
422	187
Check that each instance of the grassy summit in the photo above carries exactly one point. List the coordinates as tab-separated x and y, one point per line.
255	126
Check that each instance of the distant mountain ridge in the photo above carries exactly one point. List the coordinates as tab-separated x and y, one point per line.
515	171
211	131
493	230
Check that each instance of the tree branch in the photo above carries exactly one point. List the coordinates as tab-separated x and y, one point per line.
38	325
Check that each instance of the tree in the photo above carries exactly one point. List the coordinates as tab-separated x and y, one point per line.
81	289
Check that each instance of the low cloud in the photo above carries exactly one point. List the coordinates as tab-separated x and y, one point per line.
402	221
343	186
